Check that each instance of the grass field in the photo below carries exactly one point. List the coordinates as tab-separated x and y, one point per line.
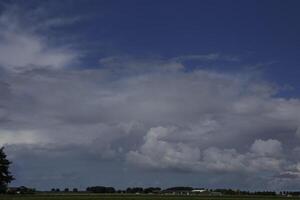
138	197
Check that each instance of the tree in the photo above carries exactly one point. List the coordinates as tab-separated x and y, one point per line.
101	189
5	175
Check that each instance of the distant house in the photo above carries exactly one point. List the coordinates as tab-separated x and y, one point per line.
216	193
178	190
200	191
20	190
13	190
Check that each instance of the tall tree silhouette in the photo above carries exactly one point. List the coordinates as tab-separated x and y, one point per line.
5	175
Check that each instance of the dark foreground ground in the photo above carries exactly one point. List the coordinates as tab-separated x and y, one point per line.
138	197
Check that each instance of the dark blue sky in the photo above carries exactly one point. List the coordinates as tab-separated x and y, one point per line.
264	33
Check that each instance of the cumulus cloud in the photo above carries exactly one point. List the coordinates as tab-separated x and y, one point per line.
158	153
268	147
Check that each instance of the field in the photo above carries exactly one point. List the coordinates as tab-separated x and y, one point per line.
138	197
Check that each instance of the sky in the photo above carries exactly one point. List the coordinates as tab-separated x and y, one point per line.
151	93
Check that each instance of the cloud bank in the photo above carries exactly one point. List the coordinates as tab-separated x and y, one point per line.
197	122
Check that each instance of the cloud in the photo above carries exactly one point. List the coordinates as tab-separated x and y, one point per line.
200	121
158	153
19	137
205	57
23	48
130	65
268	147
288	175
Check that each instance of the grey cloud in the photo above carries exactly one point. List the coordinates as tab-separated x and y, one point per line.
135	65
206	57
198	122
288	175
208	108
268	147
131	65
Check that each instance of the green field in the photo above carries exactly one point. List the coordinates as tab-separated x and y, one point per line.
137	197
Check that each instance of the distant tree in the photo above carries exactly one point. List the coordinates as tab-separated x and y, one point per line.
75	190
53	190
152	190
101	189
135	190
5	175
66	190
57	190
179	189
26	190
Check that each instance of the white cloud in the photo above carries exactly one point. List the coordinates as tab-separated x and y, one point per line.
8	137
267	148
223	160
22	49
157	153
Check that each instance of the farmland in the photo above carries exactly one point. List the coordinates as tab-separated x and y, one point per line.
137	197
